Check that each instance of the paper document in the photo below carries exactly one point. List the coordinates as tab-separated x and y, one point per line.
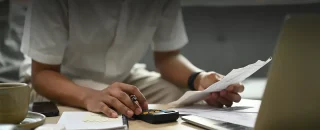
235	76
242	113
89	121
244	106
245	119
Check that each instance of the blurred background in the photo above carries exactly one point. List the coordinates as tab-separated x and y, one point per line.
223	35
12	16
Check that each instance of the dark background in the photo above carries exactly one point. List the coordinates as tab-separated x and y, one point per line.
224	38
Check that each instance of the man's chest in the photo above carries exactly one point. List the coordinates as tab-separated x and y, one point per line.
90	18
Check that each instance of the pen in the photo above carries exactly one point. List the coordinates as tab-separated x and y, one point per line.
134	100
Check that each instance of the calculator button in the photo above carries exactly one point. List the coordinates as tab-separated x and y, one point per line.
145	113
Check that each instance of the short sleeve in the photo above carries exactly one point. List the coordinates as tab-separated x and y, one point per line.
170	34
45	33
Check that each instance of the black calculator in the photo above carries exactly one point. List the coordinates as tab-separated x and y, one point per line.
155	116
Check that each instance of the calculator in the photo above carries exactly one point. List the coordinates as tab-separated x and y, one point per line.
156	116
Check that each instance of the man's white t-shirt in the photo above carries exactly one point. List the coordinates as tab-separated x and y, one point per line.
101	39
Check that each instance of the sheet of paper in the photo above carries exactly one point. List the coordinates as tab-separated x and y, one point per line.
235	76
244	106
246	119
89	121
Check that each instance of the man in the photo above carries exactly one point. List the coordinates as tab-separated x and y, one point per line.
102	41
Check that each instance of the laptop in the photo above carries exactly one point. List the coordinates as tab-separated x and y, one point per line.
292	96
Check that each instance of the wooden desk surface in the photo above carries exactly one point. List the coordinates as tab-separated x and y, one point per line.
136	124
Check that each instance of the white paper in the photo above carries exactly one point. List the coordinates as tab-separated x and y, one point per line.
244	106
76	121
245	119
235	76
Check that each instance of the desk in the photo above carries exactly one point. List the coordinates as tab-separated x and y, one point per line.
136	124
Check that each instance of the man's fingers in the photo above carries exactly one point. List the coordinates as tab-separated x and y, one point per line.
211	78
125	99
130	89
230	88
215	76
225	102
236	88
214	103
119	106
107	111
214	96
201	88
212	100
232	96
223	93
241	88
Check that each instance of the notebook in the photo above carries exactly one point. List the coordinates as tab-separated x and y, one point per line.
91	121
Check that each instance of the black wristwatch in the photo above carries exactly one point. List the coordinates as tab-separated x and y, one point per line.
191	79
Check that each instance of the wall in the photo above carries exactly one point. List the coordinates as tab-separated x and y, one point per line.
223	38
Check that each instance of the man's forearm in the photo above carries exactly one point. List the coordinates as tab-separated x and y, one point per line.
56	87
175	68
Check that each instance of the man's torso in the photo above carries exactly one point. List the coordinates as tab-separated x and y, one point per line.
106	38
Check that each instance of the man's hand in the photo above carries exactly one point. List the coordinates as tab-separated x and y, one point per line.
219	99
116	97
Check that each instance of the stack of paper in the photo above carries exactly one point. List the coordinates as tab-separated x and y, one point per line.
244	106
242	113
90	121
235	76
245	119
